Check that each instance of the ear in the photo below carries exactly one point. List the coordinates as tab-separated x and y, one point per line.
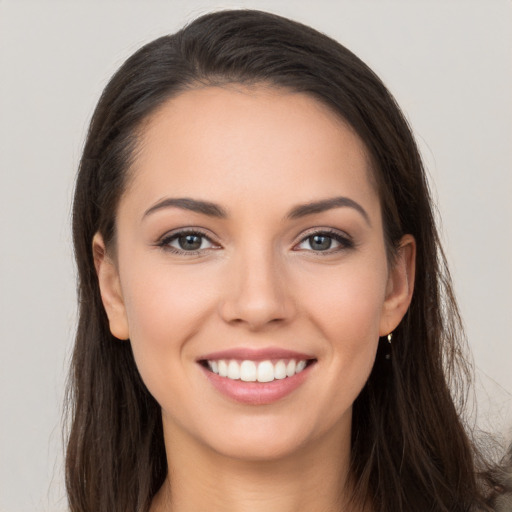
110	289
400	285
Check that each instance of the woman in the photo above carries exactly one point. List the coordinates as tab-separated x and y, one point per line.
266	319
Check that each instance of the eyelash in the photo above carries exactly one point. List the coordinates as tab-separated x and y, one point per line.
165	242
344	241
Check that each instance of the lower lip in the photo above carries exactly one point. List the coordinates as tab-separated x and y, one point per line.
257	393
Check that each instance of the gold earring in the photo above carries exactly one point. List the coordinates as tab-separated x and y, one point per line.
388	355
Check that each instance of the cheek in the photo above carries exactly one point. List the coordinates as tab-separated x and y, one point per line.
346	309
165	309
347	303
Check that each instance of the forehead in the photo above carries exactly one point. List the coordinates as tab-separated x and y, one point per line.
259	139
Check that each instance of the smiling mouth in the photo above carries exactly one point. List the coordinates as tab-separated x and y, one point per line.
257	371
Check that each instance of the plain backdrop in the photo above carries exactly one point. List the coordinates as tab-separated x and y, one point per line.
449	64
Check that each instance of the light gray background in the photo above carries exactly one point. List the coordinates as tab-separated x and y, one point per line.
449	64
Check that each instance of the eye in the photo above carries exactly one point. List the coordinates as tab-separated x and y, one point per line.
190	242
325	241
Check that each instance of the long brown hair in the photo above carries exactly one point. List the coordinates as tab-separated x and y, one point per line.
410	450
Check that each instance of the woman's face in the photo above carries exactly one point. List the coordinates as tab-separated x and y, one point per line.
250	242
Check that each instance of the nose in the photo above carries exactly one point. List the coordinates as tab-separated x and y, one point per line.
257	294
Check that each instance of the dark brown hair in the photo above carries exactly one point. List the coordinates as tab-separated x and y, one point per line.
410	450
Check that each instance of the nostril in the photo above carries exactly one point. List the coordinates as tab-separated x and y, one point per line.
256	305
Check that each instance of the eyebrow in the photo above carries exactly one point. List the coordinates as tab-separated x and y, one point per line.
328	204
214	210
185	203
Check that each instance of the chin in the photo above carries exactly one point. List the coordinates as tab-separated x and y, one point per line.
271	438
267	448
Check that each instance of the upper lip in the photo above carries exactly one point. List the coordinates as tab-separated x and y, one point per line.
261	354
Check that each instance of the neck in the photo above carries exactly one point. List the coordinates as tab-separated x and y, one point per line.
313	478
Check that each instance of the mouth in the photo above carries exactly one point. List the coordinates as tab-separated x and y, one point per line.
263	371
256	376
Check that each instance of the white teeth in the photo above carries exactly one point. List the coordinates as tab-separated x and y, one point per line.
280	370
223	368
252	371
300	366
233	370
248	371
265	371
290	368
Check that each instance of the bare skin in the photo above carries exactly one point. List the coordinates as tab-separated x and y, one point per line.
236	485
219	250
